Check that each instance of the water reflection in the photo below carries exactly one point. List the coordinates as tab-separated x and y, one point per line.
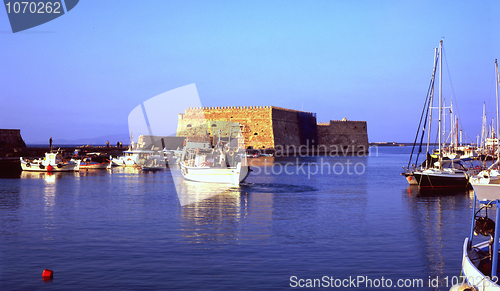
10	202
124	170
440	225
49	193
414	190
48	177
271	201
235	215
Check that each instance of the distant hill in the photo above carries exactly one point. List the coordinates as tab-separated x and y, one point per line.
100	140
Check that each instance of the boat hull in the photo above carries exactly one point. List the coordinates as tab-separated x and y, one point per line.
94	165
152	168
233	175
472	273
448	180
489	192
61	167
411	179
128	162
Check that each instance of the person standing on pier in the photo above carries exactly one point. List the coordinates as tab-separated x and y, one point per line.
50	143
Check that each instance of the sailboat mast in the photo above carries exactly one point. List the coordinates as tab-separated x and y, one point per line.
452	128
497	77
483	127
440	97
431	103
497	80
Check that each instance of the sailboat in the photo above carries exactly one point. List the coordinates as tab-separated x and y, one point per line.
441	172
486	184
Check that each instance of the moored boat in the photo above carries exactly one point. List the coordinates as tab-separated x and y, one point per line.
94	161
480	261
437	170
486	184
221	164
447	173
52	162
131	158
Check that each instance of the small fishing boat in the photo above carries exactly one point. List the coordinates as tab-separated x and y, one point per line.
223	164
94	161
253	154
153	162
131	158
52	162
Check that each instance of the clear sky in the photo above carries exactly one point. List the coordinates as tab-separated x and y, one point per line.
80	75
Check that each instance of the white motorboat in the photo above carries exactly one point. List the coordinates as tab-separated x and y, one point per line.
52	162
486	184
131	158
223	165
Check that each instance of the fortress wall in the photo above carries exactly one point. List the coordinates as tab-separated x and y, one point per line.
293	128
255	121
344	135
11	138
274	127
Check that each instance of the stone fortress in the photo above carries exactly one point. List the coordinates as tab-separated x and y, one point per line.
286	131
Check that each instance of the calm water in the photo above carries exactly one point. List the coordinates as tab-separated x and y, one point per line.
125	230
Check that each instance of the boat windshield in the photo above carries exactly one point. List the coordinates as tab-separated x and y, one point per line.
453	165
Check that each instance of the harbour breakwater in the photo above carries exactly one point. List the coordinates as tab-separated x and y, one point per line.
10	163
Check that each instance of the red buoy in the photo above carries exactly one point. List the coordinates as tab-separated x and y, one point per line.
49	274
49	168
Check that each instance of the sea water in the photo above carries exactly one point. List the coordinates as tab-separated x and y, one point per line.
348	222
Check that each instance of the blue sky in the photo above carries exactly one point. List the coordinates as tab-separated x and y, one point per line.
80	75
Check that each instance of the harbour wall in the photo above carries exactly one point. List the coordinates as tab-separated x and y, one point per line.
344	135
10	138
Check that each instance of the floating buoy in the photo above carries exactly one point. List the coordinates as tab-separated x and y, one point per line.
477	167
49	274
49	168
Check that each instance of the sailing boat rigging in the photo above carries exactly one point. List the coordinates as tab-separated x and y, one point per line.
436	171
